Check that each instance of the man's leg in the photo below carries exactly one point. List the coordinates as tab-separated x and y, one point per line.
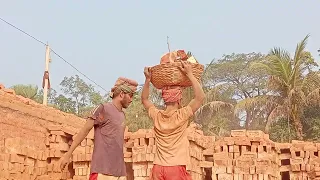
176	173
157	173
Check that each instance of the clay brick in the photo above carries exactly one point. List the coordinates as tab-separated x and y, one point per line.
295	167
150	134
139	150
136	142
221	162
4	157
255	133
238	133
129	143
59	132
219	170
17	158
61	139
9	91
143	141
138	135
55	128
69	130
220	155
151	141
89	142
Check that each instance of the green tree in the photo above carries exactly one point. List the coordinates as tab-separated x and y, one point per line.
230	79
65	104
136	115
52	94
215	110
79	97
27	91
292	85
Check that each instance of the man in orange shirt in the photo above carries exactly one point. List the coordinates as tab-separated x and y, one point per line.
170	127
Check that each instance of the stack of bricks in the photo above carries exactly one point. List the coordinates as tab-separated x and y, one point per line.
139	150
21	159
197	144
299	160
244	155
81	157
58	142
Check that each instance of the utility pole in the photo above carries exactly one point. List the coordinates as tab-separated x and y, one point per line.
46	80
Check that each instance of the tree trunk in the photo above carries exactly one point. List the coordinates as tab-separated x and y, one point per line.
297	122
248	119
268	125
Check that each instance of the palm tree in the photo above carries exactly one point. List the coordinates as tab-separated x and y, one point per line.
292	86
27	91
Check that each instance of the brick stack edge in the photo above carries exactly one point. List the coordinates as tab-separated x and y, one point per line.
33	138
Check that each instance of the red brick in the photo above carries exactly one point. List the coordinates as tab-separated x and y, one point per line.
16	158
238	133
9	91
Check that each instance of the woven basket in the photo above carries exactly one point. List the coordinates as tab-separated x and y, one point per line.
169	74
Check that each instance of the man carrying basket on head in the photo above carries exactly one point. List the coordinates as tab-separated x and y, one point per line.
170	127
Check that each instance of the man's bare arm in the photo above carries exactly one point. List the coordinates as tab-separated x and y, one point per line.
78	139
81	135
199	95
145	95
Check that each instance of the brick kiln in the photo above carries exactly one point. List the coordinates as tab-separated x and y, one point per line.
34	137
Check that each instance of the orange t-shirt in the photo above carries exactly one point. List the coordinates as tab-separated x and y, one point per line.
172	144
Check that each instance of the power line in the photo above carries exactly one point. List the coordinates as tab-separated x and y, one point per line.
53	52
23	32
77	69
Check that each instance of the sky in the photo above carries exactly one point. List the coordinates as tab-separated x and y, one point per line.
108	39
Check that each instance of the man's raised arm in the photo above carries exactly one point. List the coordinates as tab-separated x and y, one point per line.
199	95
145	90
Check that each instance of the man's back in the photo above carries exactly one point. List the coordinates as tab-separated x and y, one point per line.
171	136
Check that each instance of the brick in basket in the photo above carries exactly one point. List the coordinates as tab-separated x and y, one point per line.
169	74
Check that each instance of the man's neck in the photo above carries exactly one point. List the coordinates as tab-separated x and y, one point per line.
117	104
171	107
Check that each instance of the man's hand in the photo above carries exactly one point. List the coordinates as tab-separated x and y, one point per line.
186	68
147	73
64	161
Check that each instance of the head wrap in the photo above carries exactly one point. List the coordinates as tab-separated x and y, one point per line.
172	94
124	84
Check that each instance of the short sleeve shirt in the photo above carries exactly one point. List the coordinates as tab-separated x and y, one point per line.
109	126
171	136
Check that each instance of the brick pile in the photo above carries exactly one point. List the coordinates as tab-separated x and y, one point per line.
198	143
33	138
57	143
299	160
139	150
29	147
81	157
22	159
244	155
